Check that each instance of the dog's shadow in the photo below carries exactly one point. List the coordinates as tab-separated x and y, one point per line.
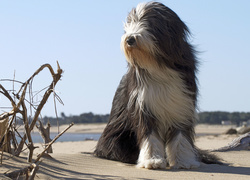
225	169
212	168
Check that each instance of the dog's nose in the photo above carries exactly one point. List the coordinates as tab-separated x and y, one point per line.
131	40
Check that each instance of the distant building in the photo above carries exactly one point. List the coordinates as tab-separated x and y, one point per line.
248	122
226	122
245	123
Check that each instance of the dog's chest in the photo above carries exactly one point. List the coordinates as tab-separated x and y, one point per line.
166	97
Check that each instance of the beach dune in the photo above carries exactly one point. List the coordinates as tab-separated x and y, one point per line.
74	160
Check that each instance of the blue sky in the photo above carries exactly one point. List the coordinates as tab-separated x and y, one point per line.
84	36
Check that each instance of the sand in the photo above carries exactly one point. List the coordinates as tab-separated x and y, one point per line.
73	160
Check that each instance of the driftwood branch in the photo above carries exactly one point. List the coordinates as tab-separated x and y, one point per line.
19	101
56	78
34	171
240	143
30	171
45	133
15	110
7	95
49	145
28	131
37	72
3	127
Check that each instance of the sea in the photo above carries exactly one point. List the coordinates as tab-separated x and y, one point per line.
36	137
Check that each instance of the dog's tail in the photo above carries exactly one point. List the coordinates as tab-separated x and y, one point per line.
208	158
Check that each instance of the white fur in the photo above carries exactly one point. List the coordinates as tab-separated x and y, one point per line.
181	154
152	153
165	95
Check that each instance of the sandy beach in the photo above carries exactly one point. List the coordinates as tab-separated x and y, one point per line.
74	160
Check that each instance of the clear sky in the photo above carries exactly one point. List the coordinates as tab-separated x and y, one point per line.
84	36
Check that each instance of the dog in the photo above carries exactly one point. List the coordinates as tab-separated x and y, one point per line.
154	108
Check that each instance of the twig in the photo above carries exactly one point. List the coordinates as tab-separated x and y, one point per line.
1	161
6	114
34	171
21	172
60	101
48	146
37	92
6	94
12	80
45	133
4	145
37	72
8	128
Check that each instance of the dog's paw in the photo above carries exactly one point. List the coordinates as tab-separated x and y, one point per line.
152	163
185	165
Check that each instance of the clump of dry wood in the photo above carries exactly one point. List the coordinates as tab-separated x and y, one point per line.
23	109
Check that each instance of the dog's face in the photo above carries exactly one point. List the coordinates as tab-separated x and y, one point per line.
153	36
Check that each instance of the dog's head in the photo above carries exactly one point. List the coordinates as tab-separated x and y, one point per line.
154	36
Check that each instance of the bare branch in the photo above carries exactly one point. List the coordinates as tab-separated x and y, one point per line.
7	95
34	171
19	110
49	145
37	72
6	114
45	133
25	171
56	78
12	80
239	143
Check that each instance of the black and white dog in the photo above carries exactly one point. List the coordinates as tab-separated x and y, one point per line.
154	109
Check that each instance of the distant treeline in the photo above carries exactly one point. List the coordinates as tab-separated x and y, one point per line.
217	117
204	117
82	118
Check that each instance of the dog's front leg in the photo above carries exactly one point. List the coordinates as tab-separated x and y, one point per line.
152	153
181	154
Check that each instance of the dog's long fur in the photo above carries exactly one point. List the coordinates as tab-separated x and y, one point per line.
154	108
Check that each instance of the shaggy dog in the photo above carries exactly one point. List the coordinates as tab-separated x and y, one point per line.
154	109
